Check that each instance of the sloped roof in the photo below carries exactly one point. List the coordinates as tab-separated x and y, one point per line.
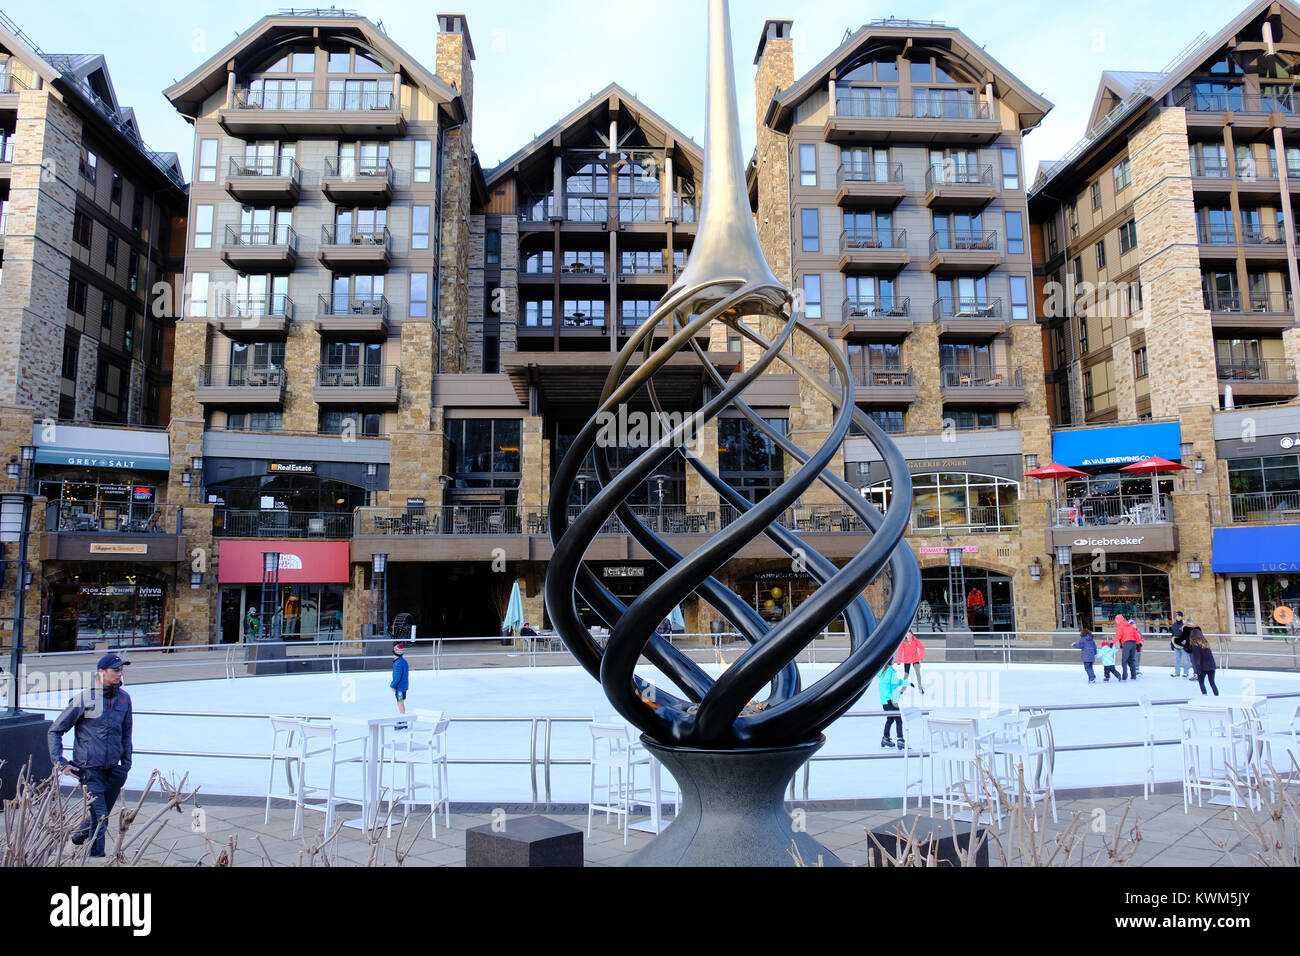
644	115
210	76
1120	84
1029	105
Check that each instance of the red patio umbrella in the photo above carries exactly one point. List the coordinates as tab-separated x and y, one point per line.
1056	472
1153	467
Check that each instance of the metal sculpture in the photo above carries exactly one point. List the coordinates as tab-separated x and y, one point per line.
727	279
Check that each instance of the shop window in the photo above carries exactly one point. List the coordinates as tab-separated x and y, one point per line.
957	502
1137	591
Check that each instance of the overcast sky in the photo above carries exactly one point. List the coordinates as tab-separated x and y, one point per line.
538	59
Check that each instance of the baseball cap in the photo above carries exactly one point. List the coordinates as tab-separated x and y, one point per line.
111	660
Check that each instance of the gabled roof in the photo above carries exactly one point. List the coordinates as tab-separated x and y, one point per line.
1149	88
1115	87
210	77
645	117
1030	107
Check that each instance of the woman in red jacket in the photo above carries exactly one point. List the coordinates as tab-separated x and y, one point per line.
910	654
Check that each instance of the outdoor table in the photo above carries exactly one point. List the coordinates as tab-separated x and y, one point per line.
1243	711
374	755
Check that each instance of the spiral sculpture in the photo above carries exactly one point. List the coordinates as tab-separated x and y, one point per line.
726	280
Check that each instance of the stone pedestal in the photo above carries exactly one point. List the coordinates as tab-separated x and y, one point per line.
946	840
267	657
23	738
733	809
530	842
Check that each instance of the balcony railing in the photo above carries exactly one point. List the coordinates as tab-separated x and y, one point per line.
873	239
1259	507
11	83
127	518
973	519
1279	303
683	210
340	305
7	149
594	268
284	167
1098	510
1235	101
279	523
240	376
883	376
265	237
1216	235
1209	167
537	209
333	101
860	105
646	268
982	376
1263	236
586	210
358	376
967	308
869	173
817	519
639	210
1265	370
958	175
963	242
876	308
367	170
353	236
256	306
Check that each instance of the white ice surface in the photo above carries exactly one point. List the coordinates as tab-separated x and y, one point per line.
570	692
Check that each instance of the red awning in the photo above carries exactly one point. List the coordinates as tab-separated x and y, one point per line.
1153	466
1056	471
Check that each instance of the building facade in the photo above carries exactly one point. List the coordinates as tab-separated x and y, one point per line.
1165	267
93	226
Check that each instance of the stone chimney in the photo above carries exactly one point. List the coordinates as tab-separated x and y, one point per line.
775	62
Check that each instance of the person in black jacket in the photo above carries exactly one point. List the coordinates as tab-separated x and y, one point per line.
1178	644
1202	657
101	748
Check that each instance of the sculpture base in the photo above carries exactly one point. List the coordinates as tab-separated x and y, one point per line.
733	809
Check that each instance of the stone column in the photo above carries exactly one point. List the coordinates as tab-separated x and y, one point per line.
921	352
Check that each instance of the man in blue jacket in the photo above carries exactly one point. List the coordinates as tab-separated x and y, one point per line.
401	677
101	748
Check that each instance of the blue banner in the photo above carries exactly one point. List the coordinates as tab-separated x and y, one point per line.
1119	446
1269	550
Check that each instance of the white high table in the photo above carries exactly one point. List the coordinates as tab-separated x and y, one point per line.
374	754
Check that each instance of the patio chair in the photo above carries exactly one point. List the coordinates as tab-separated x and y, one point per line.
611	752
1148	746
960	756
915	747
284	749
1029	741
322	748
418	745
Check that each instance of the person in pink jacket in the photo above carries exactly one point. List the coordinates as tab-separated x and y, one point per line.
910	654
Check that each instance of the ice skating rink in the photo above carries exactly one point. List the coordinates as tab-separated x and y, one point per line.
464	695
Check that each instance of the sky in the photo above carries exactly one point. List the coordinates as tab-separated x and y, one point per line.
539	59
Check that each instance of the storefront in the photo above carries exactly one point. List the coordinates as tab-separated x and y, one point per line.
101	479
965	598
1260	571
1107	495
1140	592
108	606
306	597
267	498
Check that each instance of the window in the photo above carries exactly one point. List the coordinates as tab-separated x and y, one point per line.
1101	254
969	421
113	382
203	219
77	296
1078	271
116	194
812	296
133	271
89	166
1123	173
809	223
485	451
1140	363
1010	169
807	164
1128	236
137	212
81	228
957	500
1095	192
207	161
423	172
110	250
199	295
1053	242
70	359
748	460
419	227
419	295
106	316
1015	234
539	315
1072	217
254	421
492	246
889	420
1019	297
351	422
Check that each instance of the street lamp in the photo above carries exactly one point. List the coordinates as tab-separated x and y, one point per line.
378	594
956	585
1185	450
1031	463
15	522
1198	466
13	470
371	471
1036	569
196	580
270	593
28	453
1194	567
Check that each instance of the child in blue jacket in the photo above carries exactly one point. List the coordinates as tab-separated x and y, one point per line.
1087	651
401	677
892	682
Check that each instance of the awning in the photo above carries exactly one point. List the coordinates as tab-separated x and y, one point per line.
1267	550
301	562
82	447
1122	445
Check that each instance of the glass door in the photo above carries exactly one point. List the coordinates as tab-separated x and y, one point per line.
1244	603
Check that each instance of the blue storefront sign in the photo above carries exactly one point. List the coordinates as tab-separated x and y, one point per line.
1121	445
1271	550
83	447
